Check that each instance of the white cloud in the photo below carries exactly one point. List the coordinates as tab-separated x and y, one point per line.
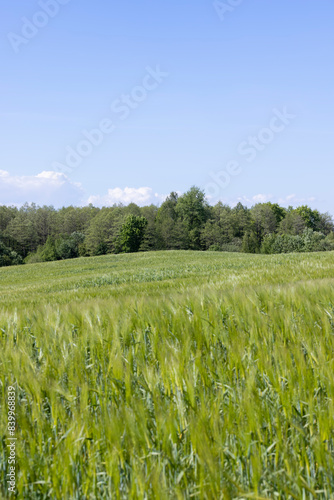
56	188
45	188
261	198
258	198
141	196
291	199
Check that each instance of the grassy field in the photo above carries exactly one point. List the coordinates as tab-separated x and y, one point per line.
170	375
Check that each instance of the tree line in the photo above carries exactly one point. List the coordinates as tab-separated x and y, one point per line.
186	222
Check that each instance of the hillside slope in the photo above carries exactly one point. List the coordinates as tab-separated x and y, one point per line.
155	272
170	375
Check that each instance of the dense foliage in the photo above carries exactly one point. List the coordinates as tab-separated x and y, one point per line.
187	222
8	257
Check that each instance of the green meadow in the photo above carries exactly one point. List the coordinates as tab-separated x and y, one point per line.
170	375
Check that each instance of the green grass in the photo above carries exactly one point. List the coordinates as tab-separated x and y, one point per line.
171	375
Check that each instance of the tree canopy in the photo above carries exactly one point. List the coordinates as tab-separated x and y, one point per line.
34	234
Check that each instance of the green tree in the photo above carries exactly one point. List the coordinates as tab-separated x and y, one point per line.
325	224
48	252
250	243
132	233
166	223
193	210
70	247
278	211
8	257
150	240
240	221
21	234
103	231
6	215
218	229
264	220
309	216
293	224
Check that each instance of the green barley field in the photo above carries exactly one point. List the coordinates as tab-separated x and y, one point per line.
170	375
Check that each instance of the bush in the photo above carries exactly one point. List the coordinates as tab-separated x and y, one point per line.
214	248
8	257
328	243
33	258
70	247
234	246
67	247
309	241
312	240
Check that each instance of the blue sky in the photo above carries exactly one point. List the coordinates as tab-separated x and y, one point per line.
222	74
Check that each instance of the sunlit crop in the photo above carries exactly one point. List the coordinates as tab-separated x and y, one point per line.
171	375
